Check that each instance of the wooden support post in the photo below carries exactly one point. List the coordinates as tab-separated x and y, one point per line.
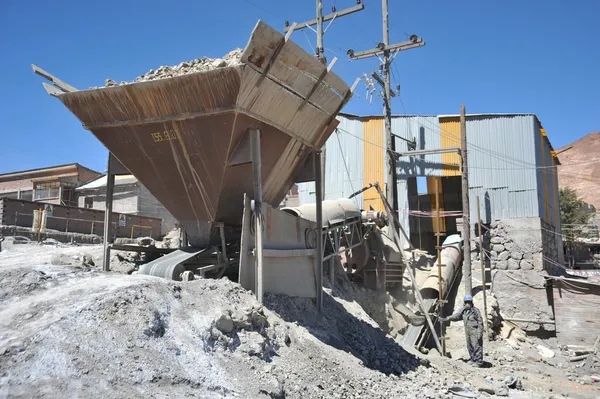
110	184
466	223
258	217
439	265
482	261
319	217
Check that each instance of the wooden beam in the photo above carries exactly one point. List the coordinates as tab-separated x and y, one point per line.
57	82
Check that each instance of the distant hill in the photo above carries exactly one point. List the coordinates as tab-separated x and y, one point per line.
575	174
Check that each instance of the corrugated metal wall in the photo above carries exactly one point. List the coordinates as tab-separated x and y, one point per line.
502	166
505	163
547	179
374	161
344	168
425	131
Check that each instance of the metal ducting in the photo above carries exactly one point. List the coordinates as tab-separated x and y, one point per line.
334	211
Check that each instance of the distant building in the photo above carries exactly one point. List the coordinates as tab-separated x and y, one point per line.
53	185
129	197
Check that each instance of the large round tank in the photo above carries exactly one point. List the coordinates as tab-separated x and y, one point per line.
334	211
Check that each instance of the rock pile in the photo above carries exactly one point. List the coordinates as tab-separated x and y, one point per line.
198	65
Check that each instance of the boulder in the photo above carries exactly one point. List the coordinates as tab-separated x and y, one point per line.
526	265
502	265
516	255
224	323
498	248
496	240
504	255
513	264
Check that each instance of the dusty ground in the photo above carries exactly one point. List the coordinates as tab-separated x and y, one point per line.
71	330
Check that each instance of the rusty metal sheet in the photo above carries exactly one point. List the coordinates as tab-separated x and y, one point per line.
178	135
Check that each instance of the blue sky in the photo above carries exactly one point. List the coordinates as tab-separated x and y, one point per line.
524	56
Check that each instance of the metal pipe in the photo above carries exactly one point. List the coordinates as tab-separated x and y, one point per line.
450	257
527	320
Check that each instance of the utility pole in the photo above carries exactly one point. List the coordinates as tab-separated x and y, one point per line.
466	224
386	49
320	50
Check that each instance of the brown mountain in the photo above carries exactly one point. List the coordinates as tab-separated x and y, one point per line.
578	171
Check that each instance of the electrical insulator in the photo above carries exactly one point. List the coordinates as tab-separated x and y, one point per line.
333	9
287	24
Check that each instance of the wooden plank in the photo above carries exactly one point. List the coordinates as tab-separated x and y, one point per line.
57	82
278	108
294	68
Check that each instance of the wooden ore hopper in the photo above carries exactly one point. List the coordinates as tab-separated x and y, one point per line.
185	137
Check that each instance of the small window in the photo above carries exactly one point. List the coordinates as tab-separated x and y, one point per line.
88	202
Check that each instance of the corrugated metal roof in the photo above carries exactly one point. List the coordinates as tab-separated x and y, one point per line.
101	182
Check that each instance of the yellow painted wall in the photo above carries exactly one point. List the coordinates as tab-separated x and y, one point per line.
432	181
374	162
450	130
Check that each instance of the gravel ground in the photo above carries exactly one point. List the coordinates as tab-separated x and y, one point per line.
71	330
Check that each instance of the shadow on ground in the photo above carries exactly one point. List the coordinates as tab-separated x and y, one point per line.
342	330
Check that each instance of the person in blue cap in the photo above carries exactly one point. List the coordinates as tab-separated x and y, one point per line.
473	329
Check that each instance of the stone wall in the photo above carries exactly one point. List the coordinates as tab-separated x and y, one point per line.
515	250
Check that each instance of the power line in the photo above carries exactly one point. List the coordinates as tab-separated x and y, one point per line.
476	167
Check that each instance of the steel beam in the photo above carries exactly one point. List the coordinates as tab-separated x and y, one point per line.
258	217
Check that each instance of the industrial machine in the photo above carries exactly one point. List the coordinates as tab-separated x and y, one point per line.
196	141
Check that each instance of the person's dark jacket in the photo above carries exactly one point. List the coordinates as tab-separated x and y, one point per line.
470	316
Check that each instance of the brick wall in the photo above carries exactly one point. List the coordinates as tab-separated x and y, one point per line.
23	184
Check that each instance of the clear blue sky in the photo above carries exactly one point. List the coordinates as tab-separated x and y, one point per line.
529	56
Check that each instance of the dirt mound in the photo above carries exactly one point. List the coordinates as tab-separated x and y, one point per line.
578	171
70	329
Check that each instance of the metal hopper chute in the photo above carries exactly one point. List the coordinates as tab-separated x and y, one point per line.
185	137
